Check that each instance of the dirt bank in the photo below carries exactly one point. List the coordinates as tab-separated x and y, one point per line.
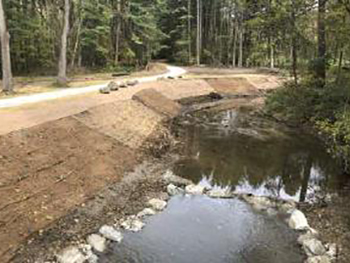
51	169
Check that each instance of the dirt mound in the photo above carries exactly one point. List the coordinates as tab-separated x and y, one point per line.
47	170
233	86
128	122
181	88
158	102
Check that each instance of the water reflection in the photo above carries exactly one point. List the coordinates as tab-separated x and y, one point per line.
257	156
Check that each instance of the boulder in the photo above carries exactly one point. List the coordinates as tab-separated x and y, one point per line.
157	204
318	259
123	85
305	237
194	189
71	255
146	212
332	250
171	178
174	190
97	242
286	207
133	224
132	82
105	90
113	86
220	193
298	220
313	247
111	233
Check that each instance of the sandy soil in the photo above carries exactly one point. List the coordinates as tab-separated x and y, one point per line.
55	156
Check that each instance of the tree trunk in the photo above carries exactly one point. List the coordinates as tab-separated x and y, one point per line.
117	34
234	51
294	45
240	58
62	64
198	32
76	45
321	33
5	53
189	33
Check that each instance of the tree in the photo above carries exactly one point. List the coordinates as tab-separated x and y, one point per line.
321	33
62	63
5	53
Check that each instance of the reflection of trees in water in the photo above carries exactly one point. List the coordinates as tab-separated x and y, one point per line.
281	163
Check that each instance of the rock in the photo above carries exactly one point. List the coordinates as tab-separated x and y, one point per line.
194	189
146	212
305	237
157	204
220	193
332	250
286	207
113	86
123	85
318	259
97	242
132	82
105	90
298	220
271	212
314	247
174	190
171	77
71	255
133	224
111	233
171	178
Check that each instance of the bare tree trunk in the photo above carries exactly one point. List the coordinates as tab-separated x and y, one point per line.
321	33
189	33
76	45
272	55
294	51
62	64
234	52
7	86
198	32
117	34
240	58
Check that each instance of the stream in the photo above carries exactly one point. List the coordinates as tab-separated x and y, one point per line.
249	154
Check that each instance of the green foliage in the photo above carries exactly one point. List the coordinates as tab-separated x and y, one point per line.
326	108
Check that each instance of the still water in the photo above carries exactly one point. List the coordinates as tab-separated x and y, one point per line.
199	229
255	155
250	155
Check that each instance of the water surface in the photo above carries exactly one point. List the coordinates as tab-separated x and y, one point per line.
256	155
200	229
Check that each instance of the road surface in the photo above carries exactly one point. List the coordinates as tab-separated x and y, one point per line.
62	93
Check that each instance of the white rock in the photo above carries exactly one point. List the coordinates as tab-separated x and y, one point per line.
298	220
174	190
271	212
146	212
305	237
133	224
332	250
195	189
287	207
71	255
220	193
97	242
318	259
314	247
111	233
157	204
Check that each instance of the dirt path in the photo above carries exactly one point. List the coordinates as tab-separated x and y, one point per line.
62	93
